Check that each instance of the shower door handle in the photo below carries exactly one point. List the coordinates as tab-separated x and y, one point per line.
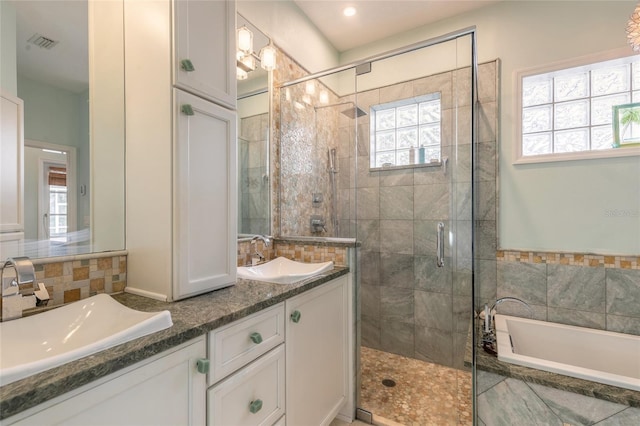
440	248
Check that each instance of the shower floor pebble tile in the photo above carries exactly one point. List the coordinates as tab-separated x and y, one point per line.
425	393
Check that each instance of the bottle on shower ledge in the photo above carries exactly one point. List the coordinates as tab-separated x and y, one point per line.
422	154
412	155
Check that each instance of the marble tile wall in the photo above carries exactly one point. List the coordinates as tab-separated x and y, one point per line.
253	178
601	292
71	279
508	401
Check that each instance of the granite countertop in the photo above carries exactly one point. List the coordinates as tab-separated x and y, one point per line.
191	317
490	363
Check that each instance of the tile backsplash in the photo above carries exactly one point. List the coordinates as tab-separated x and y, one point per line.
588	290
295	251
75	278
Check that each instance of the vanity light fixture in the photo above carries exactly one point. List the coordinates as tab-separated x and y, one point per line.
246	57
349	11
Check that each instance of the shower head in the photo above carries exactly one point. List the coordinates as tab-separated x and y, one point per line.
354	112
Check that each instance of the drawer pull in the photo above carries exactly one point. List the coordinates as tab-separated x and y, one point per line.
255	406
202	365
187	109
295	316
256	337
187	65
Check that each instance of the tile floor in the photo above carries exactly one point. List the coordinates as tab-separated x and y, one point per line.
424	393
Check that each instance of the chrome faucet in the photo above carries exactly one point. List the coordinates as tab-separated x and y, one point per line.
25	274
266	241
488	312
11	296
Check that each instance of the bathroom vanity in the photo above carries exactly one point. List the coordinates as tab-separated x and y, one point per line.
253	353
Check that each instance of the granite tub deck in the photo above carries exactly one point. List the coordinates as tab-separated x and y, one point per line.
491	364
191	317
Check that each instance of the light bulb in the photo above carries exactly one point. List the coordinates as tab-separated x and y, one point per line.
241	74
245	39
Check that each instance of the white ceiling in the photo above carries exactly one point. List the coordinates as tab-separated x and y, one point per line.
378	19
66	65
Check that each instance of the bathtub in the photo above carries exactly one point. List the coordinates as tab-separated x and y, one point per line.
596	355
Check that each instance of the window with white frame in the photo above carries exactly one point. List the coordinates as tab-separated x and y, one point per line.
406	132
571	110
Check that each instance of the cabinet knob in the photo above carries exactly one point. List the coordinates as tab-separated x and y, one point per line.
202	365
256	337
187	109
255	406
295	316
187	65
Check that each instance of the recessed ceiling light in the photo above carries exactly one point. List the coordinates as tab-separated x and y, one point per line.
349	11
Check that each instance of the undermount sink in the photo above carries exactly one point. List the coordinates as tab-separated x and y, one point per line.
37	343
283	271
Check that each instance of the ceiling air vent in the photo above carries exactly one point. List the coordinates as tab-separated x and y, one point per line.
42	41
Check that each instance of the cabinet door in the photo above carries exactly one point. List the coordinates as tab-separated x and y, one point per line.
205	42
167	391
11	163
204	199
317	354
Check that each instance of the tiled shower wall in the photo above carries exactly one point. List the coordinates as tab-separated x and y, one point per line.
409	305
253	175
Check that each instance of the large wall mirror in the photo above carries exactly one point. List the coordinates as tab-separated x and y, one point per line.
65	60
254	91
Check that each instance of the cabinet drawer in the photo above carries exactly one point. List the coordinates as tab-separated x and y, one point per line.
252	396
241	342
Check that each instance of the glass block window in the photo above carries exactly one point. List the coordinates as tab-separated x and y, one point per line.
406	132
571	110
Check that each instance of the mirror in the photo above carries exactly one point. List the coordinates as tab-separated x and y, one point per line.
254	207
68	69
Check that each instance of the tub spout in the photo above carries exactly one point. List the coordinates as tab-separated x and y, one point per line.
489	312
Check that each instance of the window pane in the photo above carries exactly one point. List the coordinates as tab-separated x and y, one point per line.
432	153
602	108
572	114
536	119
430	112
536	92
402	158
610	80
636	75
385	119
571	86
385	158
407	116
536	144
430	134
408	137
572	140
601	137
636	96
385	141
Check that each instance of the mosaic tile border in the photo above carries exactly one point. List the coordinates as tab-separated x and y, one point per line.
574	259
299	252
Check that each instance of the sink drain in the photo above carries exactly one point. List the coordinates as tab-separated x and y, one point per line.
388	383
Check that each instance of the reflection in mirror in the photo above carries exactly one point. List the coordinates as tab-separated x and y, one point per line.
46	62
253	145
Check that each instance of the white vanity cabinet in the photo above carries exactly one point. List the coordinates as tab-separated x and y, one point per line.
181	147
317	350
11	167
247	374
167	389
204	34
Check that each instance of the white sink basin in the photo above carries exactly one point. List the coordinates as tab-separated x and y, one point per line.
40	342
283	271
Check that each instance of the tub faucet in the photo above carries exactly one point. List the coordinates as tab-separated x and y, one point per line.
488	312
266	241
